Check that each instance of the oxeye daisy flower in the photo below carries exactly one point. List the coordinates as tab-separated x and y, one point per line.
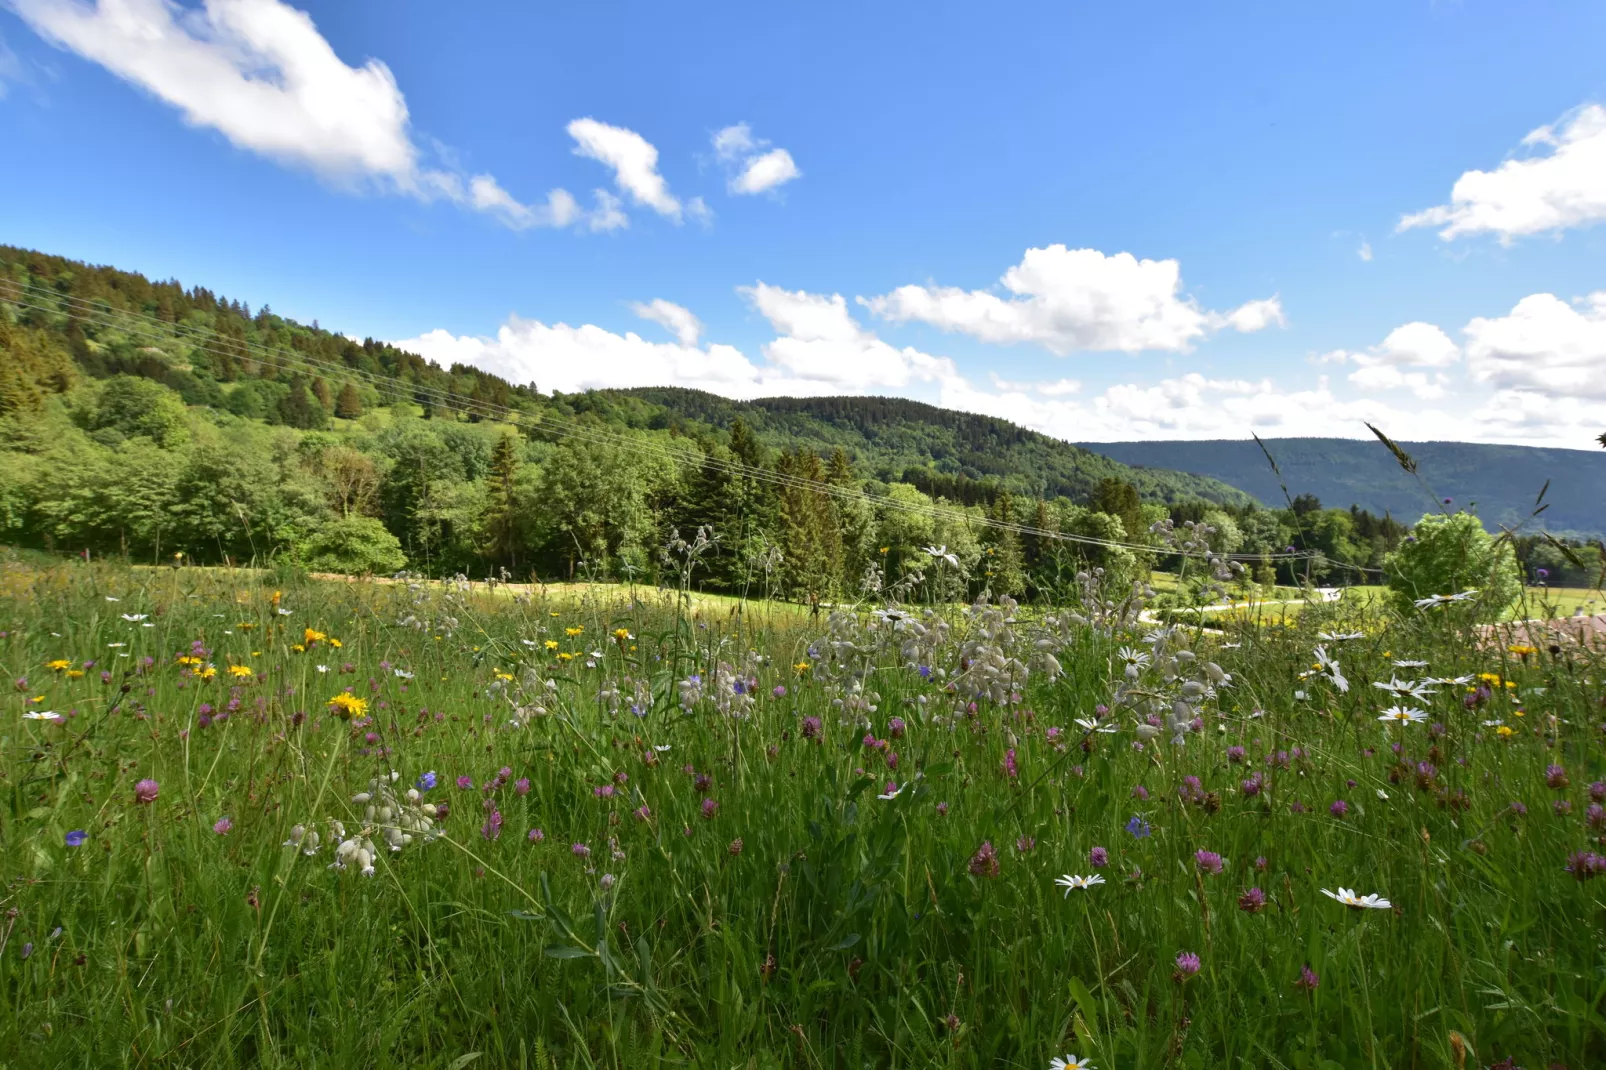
1402	715
1070	1062
1348	897
1071	882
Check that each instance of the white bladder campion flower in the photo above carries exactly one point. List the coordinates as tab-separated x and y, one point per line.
1348	897
1071	882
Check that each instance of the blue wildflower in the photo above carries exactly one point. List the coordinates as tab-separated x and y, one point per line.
1138	827
76	838
427	781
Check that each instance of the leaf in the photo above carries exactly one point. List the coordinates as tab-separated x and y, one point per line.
844	943
939	769
463	1060
561	951
525	915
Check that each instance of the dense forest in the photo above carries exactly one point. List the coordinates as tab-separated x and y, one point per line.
1500	482
157	422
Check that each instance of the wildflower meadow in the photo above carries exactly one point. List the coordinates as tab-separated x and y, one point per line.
258	819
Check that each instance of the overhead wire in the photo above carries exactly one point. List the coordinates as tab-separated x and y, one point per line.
408	391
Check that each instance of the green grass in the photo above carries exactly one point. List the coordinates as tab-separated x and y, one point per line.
804	921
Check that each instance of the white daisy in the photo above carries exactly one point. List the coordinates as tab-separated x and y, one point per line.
1071	882
1402	715
1340	637
135	618
42	715
942	553
1348	897
1416	689
1070	1062
323	668
1402	664
893	794
1094	726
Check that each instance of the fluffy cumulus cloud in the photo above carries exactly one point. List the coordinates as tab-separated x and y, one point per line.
752	165
676	319
633	160
1562	184
259	73
1077	299
1412	357
819	349
1545	347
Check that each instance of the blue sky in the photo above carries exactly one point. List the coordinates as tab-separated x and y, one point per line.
1103	221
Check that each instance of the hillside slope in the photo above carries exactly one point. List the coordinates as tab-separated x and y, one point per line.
938	449
1502	480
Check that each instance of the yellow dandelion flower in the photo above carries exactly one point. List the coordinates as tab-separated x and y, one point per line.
74	674
565	656
1504	731
241	672
59	665
299	649
274	600
500	675
551	644
572	632
1522	650
802	667
346	706
622	634
206	672
189	659
336	643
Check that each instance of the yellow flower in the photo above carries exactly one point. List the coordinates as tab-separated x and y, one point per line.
622	634
188	659
1504	731
801	666
74	674
1520	713
572	632
206	672
565	656
59	665
884	549
1522	650
336	643
312	635
275	599
299	649
500	675
241	672
1511	685
551	644
346	706
246	625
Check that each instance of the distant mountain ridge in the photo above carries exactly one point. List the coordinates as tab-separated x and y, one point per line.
1502	480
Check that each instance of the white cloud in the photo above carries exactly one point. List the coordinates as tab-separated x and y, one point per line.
259	73
1070	299
1545	346
820	350
1409	346
633	159
1055	389
1563	187
676	319
819	340
1365	251
752	170
765	172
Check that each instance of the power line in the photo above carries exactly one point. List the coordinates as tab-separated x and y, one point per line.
161	330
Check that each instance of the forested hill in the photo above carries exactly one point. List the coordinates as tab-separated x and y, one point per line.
1502	480
215	351
959	455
